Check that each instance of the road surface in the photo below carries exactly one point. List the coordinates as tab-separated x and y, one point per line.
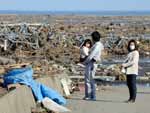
111	100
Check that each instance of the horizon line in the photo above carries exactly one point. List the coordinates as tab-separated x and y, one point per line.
79	10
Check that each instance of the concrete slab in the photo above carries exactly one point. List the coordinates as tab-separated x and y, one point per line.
19	100
52	82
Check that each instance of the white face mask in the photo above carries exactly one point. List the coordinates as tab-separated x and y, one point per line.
132	47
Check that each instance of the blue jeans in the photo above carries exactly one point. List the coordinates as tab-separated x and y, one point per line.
90	90
131	83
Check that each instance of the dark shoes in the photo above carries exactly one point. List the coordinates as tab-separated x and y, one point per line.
93	99
130	101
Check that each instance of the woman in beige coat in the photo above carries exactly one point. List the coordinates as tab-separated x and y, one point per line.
131	66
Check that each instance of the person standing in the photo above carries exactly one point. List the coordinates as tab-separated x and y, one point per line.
91	66
131	67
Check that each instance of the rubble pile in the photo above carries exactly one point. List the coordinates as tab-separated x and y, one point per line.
51	43
36	44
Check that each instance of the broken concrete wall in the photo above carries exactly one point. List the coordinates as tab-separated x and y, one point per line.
52	82
19	100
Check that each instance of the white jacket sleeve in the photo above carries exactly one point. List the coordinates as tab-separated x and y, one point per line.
133	61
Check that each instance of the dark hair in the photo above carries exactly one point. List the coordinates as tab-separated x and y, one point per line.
87	41
96	36
135	43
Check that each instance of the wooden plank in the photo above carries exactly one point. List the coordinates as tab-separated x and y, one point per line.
65	87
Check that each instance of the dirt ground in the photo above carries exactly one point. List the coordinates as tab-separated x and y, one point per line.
111	100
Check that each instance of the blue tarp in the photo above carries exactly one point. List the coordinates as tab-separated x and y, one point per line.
40	91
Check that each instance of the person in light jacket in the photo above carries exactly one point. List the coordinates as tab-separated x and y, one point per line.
131	66
91	66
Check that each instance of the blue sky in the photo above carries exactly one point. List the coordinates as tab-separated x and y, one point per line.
74	5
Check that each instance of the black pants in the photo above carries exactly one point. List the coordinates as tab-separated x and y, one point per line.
131	83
